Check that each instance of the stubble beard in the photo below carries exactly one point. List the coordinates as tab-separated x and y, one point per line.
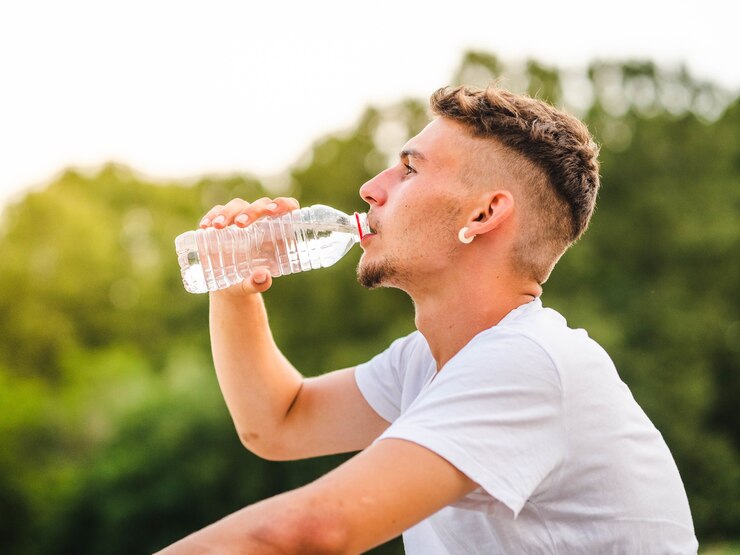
376	275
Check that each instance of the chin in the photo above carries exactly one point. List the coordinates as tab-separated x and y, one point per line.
375	274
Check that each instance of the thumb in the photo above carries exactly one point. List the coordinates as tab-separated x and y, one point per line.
261	279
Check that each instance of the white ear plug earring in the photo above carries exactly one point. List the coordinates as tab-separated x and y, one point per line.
462	237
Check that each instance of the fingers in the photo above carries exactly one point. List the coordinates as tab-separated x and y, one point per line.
242	213
265	207
222	215
259	282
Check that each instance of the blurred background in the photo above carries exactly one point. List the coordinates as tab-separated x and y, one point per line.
122	123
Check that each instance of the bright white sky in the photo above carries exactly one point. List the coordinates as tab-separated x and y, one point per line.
179	88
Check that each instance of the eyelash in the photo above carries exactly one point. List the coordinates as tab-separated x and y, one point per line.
409	169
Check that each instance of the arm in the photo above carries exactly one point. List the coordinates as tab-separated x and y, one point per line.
367	501
277	413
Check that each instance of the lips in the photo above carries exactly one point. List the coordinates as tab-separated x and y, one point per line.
373	232
366	238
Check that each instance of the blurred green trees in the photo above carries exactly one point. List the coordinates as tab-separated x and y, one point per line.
114	436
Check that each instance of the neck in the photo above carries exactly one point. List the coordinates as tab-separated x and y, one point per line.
450	320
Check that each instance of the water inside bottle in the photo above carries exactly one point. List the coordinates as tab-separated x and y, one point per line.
194	279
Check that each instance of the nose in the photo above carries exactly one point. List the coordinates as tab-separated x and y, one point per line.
375	191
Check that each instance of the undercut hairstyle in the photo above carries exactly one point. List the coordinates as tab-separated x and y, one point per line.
549	154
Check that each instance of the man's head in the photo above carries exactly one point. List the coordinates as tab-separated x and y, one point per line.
546	156
516	172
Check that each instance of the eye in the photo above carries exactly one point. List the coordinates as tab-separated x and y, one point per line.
409	169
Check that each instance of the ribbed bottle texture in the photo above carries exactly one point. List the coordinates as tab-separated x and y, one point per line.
301	240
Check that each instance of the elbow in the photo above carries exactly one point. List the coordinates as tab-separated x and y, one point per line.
251	441
268	450
307	534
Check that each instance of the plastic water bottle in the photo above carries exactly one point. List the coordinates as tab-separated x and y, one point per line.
301	240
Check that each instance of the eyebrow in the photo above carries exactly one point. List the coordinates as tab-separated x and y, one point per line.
411	153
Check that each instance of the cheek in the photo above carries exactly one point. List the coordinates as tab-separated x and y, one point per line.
420	216
434	229
442	218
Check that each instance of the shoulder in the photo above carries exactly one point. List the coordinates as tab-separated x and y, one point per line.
500	360
392	378
532	329
401	351
524	347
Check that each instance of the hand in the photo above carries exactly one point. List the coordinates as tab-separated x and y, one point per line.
242	213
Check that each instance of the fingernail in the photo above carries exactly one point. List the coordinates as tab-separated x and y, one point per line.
204	222
270	207
219	220
259	278
241	219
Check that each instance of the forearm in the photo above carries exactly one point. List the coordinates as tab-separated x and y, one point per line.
234	534
257	381
366	501
281	525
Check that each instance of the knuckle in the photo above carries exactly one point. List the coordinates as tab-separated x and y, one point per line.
257	207
235	203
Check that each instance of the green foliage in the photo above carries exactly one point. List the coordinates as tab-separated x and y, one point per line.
115	438
720	549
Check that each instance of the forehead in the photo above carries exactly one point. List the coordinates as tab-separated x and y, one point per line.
442	143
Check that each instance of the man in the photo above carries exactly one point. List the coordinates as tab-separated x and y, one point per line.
494	428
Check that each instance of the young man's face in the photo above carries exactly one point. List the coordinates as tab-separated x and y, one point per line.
416	209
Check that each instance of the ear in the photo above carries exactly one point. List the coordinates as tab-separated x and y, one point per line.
494	209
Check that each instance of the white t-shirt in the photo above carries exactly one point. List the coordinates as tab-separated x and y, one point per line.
534	413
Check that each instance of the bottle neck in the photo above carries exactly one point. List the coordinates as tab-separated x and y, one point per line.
362	227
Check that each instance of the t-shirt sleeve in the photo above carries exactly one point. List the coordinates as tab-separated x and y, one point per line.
495	413
381	379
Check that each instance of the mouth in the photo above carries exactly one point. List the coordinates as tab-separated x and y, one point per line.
367	226
366	238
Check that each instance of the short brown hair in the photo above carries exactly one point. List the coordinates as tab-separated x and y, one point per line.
557	164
